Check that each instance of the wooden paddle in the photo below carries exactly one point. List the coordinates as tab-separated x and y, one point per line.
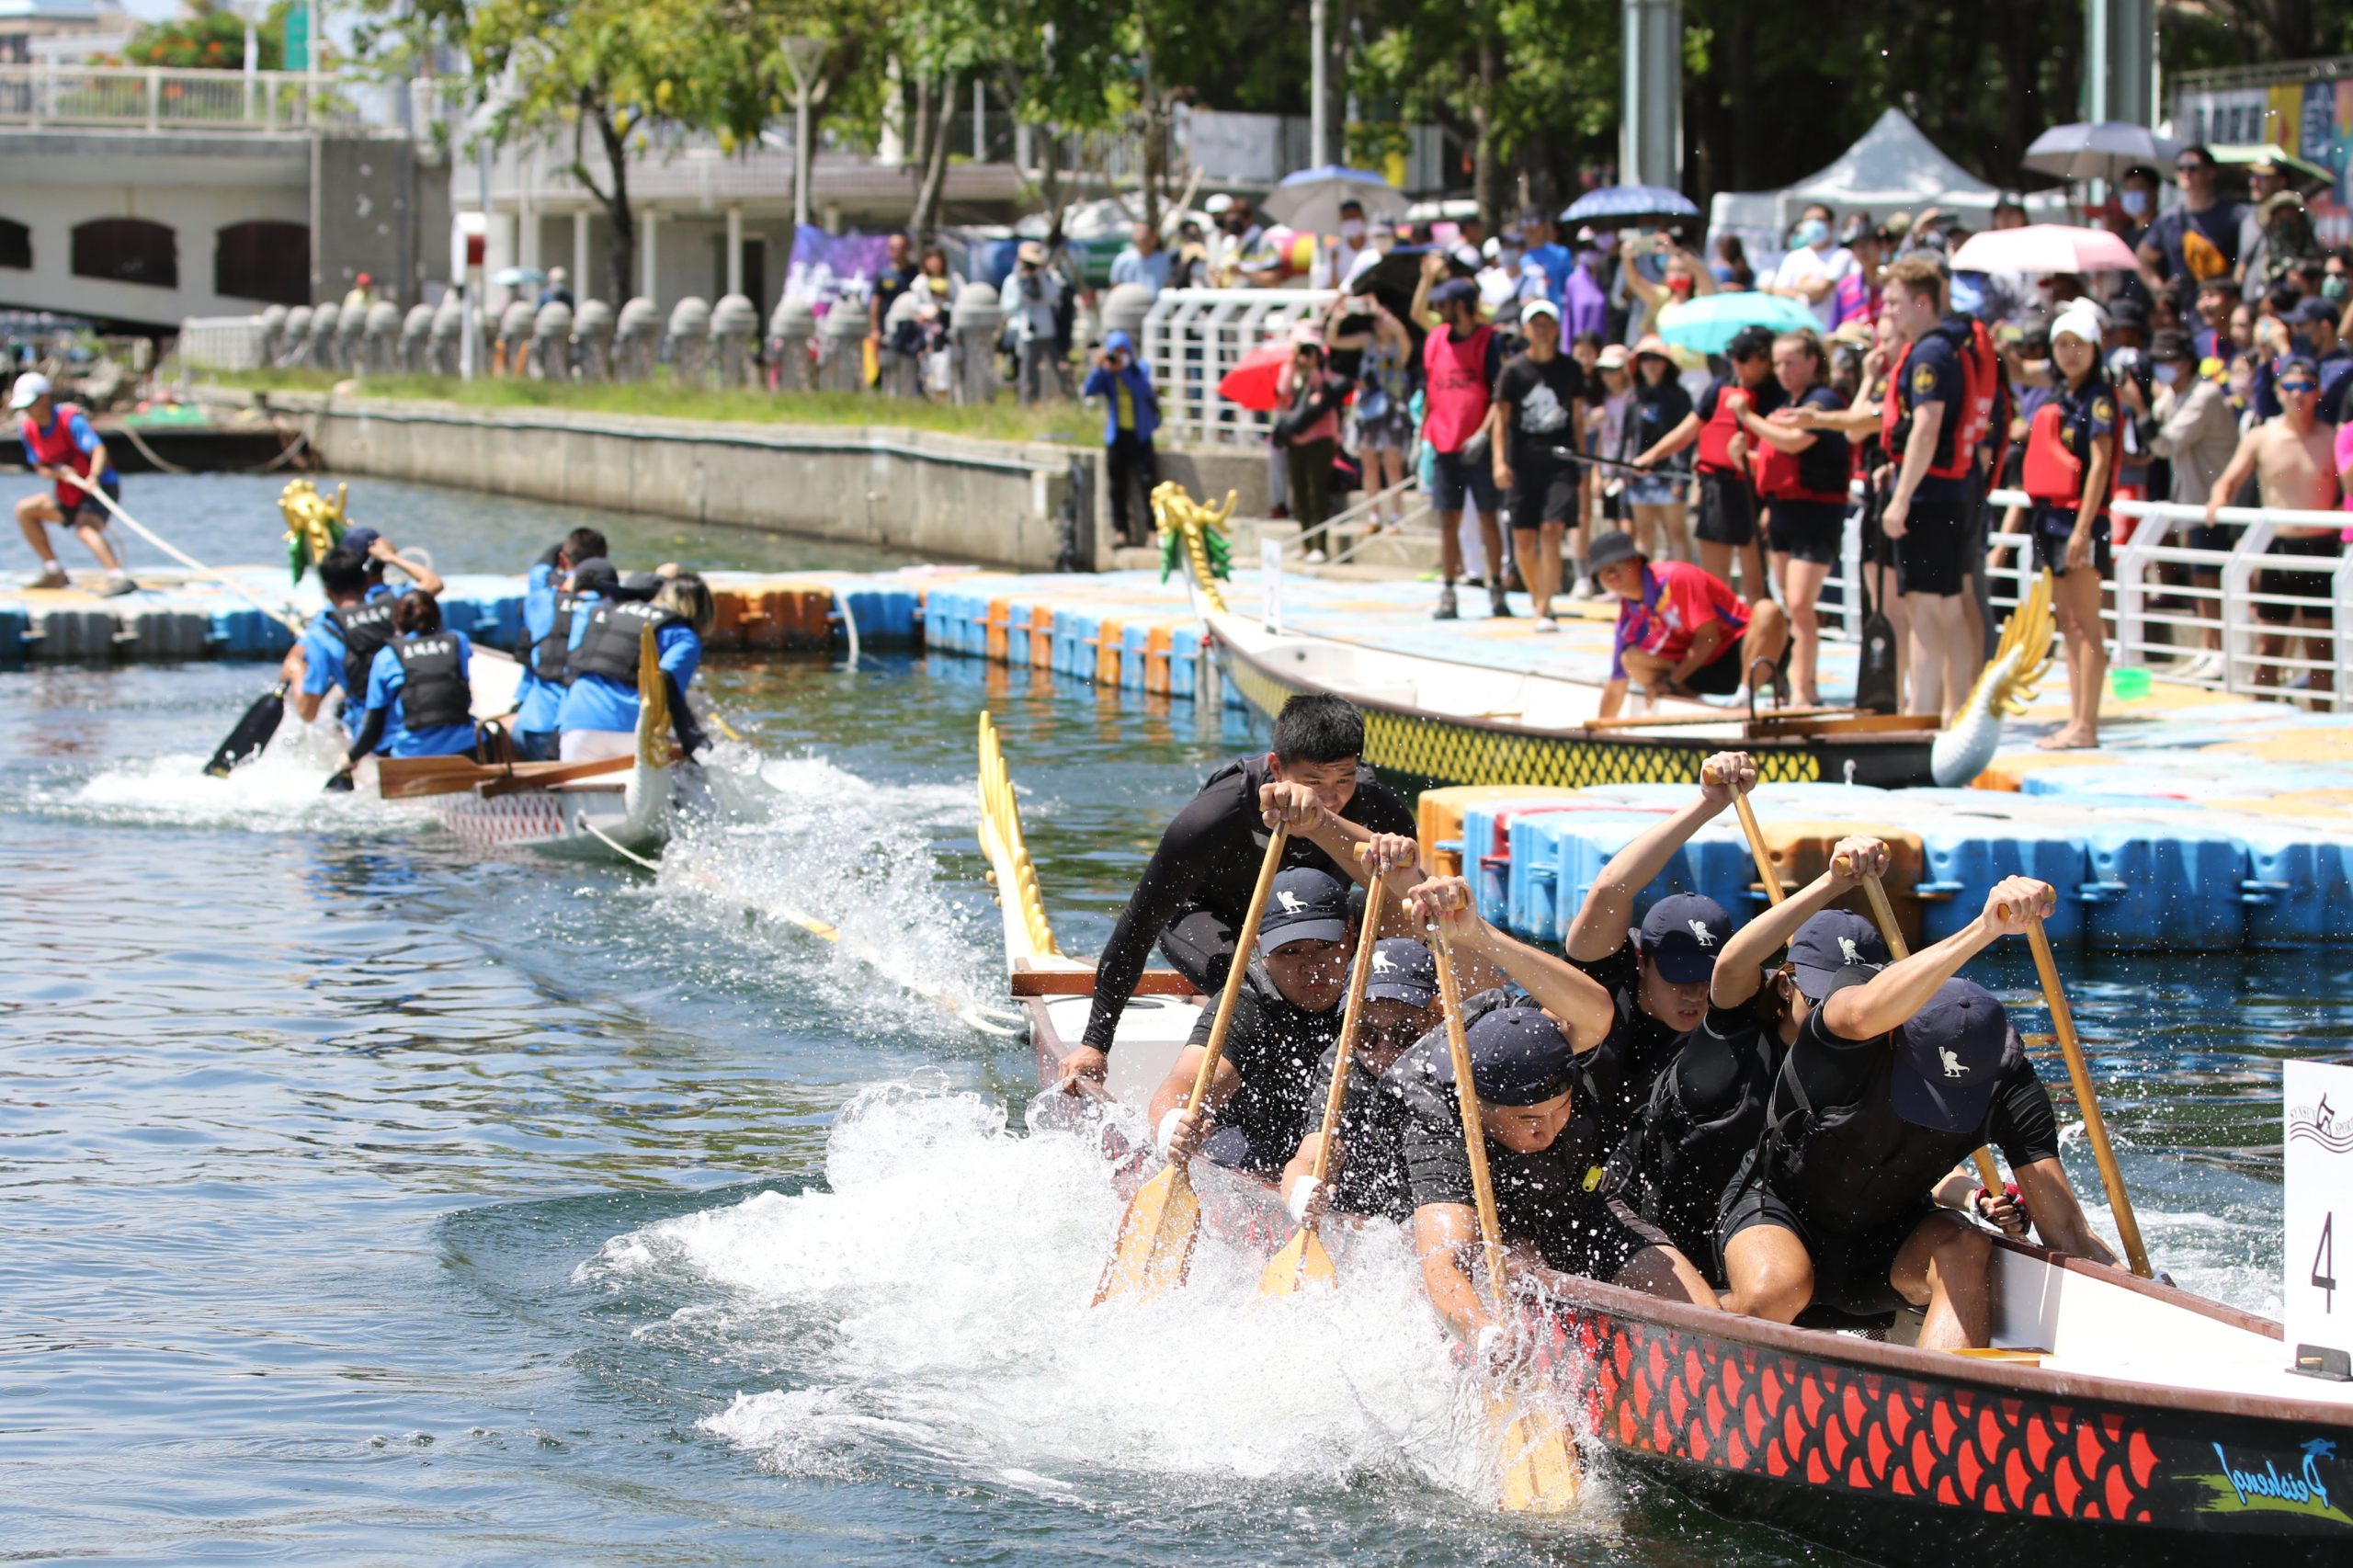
1163	1218
1756	848
2062	1021
253	732
1539	1463
1302	1258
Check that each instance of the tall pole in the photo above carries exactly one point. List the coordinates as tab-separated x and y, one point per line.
1319	88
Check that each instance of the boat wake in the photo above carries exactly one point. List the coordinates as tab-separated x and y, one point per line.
817	850
931	1300
278	792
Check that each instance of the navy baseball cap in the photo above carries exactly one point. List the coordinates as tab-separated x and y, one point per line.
1402	970
1682	934
2316	308
1517	1057
595	575
1834	950
1454	289
1949	1057
358	541
1306	906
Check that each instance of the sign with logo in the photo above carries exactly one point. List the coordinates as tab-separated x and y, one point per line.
1271	582
2318	1287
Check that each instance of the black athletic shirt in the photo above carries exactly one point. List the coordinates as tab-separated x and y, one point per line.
1873	1168
1543	400
1275	1045
1209	860
1638	1049
1371	1178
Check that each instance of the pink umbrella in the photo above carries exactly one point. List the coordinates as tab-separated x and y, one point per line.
2043	248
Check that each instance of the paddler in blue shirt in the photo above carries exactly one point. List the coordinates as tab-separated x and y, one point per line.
419	702
599	715
549	603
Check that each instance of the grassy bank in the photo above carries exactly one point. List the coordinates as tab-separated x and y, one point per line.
1003	420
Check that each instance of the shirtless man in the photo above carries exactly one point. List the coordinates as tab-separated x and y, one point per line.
2293	459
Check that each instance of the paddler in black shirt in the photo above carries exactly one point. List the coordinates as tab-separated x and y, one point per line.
1368	1163
1707	1108
1658	982
1887	1086
1284	1022
1543	1146
1196	889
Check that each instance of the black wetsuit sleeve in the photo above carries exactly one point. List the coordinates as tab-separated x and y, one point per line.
1186	857
1438	1167
1832	1068
690	734
370	735
2024	1122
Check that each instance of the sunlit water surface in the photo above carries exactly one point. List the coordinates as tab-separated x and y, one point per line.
364	1201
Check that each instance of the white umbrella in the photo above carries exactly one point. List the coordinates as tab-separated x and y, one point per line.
2100	150
2042	248
1310	200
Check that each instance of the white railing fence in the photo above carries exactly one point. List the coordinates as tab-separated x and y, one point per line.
156	99
2157	616
1193	337
222	343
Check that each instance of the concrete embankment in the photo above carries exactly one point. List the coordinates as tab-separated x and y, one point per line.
1040	505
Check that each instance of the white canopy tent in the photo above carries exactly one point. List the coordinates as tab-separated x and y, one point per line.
1894	168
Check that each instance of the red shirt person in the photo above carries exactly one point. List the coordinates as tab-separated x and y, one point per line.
1681	631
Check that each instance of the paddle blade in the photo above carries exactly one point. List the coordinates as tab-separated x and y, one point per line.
1156	1239
252	734
1539	1463
1301	1263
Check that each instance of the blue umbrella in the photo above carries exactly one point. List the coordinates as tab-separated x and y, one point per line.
1310	200
1629	201
1710	323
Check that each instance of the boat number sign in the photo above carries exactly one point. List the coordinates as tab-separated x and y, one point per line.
2318	1287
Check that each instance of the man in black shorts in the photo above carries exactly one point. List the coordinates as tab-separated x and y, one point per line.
1888	1084
1196	889
1540	401
1927	513
1543	1146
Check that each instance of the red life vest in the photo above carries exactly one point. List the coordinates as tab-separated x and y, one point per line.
1715	436
57	447
2054	476
1781	477
1965	427
1457	397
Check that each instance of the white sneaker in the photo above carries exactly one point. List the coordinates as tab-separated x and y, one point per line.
1316	558
117	584
1545	623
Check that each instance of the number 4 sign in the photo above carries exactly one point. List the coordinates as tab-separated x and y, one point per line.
2319	1146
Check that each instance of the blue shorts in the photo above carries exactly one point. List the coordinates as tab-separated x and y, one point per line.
1654	490
1455	475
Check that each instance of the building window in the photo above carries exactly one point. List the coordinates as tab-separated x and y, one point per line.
128	250
16	245
263	260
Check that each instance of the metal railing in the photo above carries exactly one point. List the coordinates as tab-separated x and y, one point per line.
1192	338
222	343
156	99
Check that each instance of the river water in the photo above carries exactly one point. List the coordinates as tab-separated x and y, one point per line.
364	1201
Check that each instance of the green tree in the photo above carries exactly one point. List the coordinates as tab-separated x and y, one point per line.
208	38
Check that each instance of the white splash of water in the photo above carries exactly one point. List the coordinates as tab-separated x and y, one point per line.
818	844
278	792
934	1301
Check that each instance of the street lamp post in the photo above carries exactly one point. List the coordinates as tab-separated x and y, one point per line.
802	55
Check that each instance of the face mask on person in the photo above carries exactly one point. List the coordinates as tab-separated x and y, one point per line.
1812	232
2168	373
1352	229
2336	286
2134	203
